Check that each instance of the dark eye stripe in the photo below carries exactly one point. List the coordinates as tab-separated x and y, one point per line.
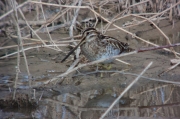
89	30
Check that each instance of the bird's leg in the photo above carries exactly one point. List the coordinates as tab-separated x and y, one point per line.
107	66
97	67
103	66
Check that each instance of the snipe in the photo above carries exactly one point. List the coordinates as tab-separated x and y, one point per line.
95	46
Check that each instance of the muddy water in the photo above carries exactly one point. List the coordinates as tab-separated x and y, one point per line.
91	93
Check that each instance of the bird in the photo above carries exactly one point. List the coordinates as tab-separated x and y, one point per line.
94	46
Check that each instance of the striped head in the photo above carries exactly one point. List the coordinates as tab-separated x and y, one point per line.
90	34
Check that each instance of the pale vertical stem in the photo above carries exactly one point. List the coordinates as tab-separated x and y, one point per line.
15	19
18	53
60	8
10	11
67	16
170	14
94	14
47	28
37	12
21	13
73	24
125	90
74	21
133	2
21	41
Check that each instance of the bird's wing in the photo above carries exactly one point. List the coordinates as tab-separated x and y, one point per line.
114	42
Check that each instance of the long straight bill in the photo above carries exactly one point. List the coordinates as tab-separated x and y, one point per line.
72	50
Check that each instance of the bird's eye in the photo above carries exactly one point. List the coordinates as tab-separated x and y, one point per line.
87	33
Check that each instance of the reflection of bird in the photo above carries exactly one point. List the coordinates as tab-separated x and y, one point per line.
95	46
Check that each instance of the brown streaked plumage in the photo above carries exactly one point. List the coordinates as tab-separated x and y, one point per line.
95	45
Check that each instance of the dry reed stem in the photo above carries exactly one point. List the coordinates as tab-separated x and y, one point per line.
37	12
149	90
71	33
122	62
56	40
169	42
160	106
38	46
113	20
114	24
40	22
153	19
30	26
125	90
128	73
9	12
60	43
36	43
156	14
47	28
33	32
20	42
87	64
157	110
73	64
109	22
170	68
51	4
94	14
14	19
51	20
91	8
101	60
88	109
130	32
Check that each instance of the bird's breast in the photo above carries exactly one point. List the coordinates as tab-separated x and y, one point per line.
95	51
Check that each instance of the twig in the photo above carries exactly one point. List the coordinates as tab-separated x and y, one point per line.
158	30
158	47
14	18
94	14
164	101
114	24
129	32
156	14
127	73
38	46
47	28
40	22
149	90
21	44
9	12
160	106
122	62
101	60
170	68
88	109
51	4
71	32
113	20
60	43
83	65
125	90
30	26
